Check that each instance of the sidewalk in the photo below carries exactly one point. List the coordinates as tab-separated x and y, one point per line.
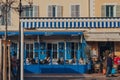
95	75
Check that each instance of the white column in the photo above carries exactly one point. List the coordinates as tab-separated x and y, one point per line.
22	54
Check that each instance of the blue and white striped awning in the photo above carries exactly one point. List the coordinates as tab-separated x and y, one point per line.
71	23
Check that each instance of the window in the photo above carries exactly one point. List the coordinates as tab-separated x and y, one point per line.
71	52
75	10
29	51
30	11
55	11
2	18
109	11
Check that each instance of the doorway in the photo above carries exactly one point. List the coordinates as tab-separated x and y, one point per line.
105	48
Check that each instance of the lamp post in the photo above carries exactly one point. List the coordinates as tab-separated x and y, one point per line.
21	57
20	75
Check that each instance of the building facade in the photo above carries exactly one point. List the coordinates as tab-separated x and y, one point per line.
65	31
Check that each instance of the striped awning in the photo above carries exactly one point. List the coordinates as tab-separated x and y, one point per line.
71	23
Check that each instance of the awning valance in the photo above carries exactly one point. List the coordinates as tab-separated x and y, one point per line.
43	33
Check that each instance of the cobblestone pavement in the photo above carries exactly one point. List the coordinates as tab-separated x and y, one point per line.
69	77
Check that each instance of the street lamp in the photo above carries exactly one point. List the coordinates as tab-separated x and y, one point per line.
21	61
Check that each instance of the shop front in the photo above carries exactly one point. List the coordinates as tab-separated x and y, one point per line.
56	52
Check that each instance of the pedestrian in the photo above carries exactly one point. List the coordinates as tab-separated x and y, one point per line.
14	65
104	65
90	66
109	65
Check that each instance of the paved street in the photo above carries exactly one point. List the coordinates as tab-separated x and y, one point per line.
70	77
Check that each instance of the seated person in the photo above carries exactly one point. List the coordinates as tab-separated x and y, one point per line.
47	60
81	61
33	61
60	61
42	61
73	61
27	61
36	60
90	65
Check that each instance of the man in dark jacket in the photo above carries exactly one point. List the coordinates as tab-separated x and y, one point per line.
109	65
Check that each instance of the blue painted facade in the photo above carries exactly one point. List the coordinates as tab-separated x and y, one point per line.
63	52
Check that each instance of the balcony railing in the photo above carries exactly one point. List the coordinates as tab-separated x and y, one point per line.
70	22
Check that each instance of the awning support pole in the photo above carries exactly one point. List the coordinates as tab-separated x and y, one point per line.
22	54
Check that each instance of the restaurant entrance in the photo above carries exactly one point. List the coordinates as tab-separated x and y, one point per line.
105	48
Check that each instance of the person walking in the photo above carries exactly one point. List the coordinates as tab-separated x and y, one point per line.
14	65
104	65
109	65
90	66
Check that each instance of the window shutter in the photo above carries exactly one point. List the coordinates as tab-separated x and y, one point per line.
59	11
103	11
35	11
2	18
23	13
117	10
72	10
50	11
77	11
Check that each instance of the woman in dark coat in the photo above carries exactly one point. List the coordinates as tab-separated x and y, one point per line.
109	65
